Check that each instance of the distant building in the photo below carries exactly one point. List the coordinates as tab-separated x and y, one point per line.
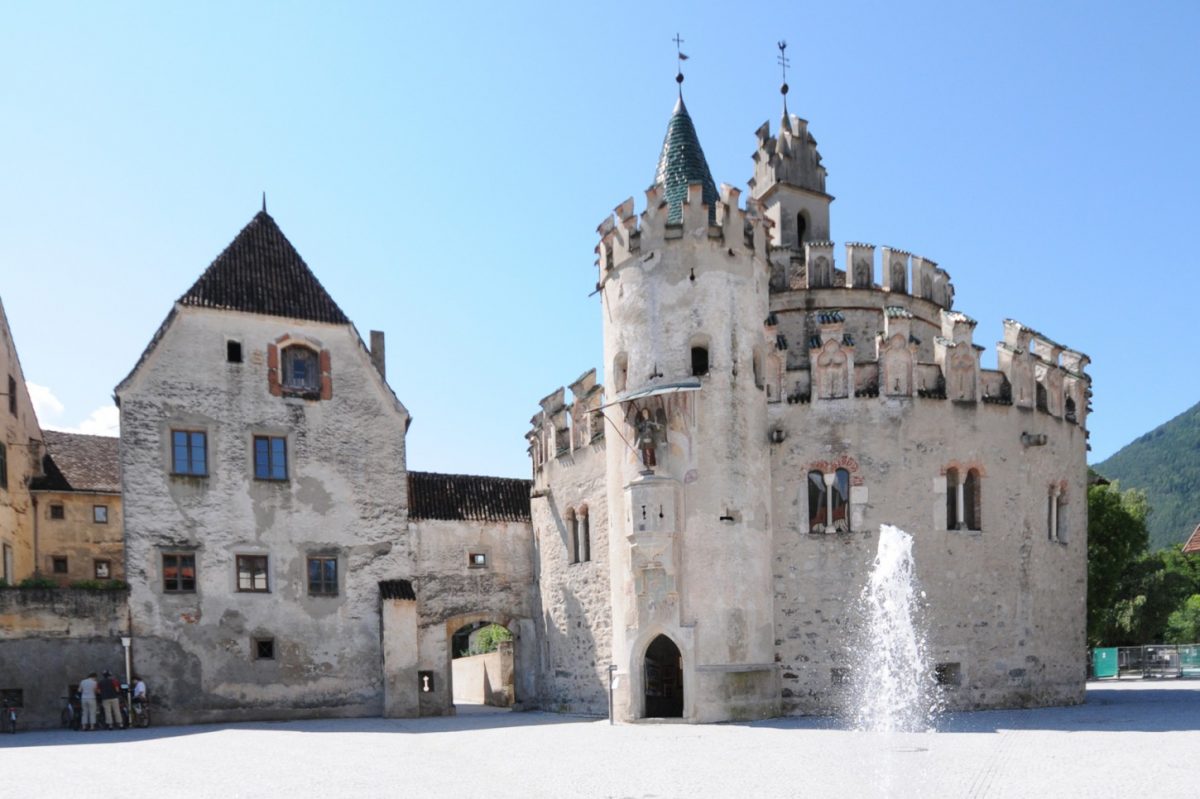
80	533
1193	542
20	462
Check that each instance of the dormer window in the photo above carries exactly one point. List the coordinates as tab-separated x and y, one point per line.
300	369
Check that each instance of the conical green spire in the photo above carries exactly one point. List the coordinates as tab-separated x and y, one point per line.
682	162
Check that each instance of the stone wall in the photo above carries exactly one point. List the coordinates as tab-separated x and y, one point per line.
484	679
51	638
576	597
1005	602
452	593
344	497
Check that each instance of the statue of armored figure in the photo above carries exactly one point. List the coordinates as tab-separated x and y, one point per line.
648	434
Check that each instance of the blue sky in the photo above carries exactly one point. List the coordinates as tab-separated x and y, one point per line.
443	168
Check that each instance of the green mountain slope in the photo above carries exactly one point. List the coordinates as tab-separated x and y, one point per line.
1165	463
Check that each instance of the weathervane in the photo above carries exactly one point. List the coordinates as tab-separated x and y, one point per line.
679	55
783	65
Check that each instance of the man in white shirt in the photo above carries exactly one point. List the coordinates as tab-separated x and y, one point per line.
87	699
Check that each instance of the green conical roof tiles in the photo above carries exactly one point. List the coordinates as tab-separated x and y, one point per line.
682	162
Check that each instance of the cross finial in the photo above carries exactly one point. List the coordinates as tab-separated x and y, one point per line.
680	58
783	66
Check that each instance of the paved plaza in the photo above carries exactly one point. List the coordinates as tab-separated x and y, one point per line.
1130	738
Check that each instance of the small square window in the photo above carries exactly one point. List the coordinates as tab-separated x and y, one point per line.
322	576
179	573
233	351
270	458
948	673
839	676
100	514
264	648
58	565
477	560
189	452
103	570
58	512
252	573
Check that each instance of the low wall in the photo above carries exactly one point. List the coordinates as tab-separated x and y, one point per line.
485	679
51	638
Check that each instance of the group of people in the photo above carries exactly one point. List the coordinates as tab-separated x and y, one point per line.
103	693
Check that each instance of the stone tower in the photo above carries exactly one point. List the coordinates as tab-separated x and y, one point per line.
685	295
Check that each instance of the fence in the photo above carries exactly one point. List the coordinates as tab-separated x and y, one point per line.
1149	661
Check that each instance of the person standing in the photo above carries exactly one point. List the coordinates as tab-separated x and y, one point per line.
110	697
87	702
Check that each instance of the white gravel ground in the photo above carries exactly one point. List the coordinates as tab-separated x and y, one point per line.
1133	738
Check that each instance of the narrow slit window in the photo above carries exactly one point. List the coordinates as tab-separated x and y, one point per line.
818	500
699	361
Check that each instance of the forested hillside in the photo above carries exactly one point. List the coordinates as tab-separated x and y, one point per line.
1165	463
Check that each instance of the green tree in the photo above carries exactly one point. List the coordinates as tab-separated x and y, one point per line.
1183	626
1116	537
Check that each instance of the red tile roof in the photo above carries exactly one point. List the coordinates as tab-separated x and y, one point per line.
467	497
1193	543
78	462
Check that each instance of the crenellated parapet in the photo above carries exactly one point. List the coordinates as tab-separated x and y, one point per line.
625	235
562	427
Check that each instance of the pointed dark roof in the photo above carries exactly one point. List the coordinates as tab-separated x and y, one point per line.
261	272
467	497
78	462
682	162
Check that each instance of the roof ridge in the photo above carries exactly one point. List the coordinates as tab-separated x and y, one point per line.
260	271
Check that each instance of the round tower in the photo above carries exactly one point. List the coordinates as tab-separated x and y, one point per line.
685	295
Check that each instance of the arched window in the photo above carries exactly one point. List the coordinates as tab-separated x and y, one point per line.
839	501
801	228
1069	413
952	499
572	536
1060	518
818	502
584	547
699	361
300	369
972	501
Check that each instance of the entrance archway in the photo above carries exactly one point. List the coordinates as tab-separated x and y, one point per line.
482	665
664	679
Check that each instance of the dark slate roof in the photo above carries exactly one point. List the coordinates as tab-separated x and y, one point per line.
466	497
77	462
261	272
682	162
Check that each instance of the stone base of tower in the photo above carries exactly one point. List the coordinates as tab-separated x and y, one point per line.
736	693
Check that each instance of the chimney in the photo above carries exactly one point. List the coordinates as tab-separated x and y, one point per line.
377	353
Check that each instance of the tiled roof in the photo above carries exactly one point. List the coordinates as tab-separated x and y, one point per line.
682	162
830	318
261	272
77	462
1193	543
467	497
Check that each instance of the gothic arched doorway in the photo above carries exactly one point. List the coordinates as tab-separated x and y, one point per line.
664	679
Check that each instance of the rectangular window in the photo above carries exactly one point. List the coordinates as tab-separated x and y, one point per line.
477	560
264	648
100	514
252	573
58	512
270	458
179	573
3	466
322	577
12	395
58	564
189	452
233	351
102	569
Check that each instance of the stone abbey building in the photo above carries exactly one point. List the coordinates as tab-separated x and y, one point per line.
696	531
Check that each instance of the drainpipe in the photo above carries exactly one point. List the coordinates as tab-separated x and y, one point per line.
612	667
36	558
125	642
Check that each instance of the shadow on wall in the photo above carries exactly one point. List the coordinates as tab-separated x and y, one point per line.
575	678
